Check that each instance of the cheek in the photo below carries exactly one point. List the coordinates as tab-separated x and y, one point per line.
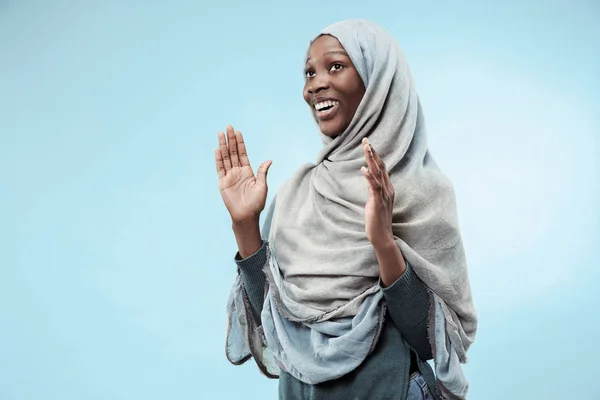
357	95
355	91
306	95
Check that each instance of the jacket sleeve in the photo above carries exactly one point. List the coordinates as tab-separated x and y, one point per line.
253	279
408	300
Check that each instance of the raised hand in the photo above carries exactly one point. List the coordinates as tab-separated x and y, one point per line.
243	193
380	203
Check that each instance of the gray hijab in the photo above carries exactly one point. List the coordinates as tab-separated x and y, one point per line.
322	265
318	234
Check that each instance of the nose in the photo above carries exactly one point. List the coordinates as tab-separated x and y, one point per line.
318	83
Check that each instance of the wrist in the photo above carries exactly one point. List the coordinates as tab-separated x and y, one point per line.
247	236
247	224
384	245
391	261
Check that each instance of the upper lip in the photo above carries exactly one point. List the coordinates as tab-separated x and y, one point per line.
318	100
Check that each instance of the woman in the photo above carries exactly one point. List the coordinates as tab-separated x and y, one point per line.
359	275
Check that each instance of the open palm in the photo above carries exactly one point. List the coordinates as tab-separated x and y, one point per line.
243	193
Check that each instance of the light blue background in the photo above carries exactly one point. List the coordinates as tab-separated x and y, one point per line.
115	249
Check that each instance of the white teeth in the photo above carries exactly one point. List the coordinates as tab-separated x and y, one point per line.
327	103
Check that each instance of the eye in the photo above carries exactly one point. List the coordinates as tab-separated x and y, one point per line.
336	67
309	73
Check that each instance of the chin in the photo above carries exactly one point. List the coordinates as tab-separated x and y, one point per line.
330	134
329	129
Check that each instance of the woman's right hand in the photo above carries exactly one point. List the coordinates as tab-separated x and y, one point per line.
243	193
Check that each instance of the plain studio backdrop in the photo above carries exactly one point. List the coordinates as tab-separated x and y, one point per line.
116	253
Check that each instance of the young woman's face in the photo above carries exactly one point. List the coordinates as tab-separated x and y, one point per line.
333	87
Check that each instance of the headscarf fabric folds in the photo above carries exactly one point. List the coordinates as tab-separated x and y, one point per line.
322	267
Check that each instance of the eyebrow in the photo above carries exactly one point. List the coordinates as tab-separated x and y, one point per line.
341	52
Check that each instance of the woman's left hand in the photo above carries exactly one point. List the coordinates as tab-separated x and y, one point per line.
380	204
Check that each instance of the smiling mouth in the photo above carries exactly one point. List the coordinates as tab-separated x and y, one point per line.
325	110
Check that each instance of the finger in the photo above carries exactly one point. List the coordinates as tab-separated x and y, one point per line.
387	183
373	168
224	152
385	177
261	174
219	163
381	169
244	161
374	183
369	156
377	158
233	147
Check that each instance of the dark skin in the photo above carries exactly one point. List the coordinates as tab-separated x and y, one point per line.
330	75
333	83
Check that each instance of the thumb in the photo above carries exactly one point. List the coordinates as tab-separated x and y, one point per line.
261	174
